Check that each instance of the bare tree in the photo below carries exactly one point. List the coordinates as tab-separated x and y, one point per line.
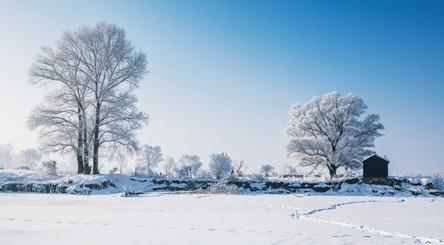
220	165
61	69
190	165
240	168
327	132
29	158
112	64
266	169
59	127
168	165
97	69
50	167
149	157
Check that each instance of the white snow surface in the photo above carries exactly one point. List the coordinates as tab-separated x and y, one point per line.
168	218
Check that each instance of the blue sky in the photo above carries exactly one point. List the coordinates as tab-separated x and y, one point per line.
223	74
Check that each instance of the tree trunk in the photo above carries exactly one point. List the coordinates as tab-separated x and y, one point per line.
332	171
87	168
79	147
96	143
79	163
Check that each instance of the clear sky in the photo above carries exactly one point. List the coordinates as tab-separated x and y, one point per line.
223	74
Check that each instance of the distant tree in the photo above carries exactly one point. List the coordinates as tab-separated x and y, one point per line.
220	165
189	166
29	158
6	156
289	171
328	132
168	166
25	159
240	168
204	174
50	167
149	157
266	169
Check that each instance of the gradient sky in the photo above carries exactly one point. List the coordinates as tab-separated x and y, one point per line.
223	74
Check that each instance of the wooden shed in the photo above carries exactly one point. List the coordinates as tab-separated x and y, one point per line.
375	166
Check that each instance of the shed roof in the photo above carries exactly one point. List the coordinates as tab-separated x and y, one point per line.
375	155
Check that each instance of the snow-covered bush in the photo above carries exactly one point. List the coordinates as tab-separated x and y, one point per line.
222	188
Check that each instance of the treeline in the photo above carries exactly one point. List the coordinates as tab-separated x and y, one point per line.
24	159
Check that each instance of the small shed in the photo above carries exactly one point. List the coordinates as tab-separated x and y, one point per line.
375	166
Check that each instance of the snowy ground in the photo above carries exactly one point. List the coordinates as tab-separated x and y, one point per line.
162	218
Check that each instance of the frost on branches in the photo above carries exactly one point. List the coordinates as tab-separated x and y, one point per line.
330	132
220	165
149	158
189	166
93	73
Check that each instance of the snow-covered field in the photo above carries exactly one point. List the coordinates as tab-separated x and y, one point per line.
165	218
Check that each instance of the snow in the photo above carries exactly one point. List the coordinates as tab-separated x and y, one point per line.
171	218
31	181
349	211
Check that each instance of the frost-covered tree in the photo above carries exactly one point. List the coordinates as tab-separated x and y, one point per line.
120	119
97	68
266	169
114	67
58	68
240	168
148	159
328	132
61	129
29	158
220	165
189	166
168	166
25	159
